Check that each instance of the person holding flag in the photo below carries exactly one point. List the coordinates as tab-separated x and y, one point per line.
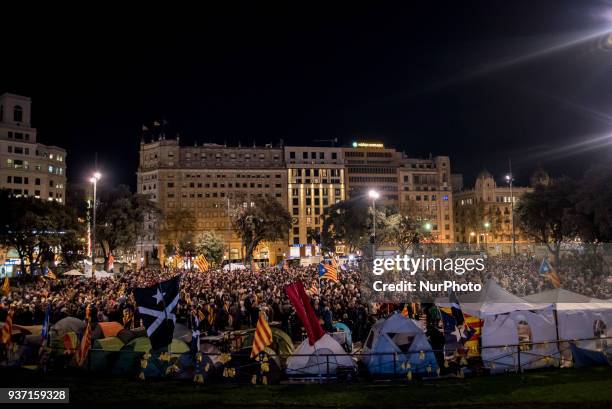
547	270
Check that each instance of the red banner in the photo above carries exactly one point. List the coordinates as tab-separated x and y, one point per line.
301	302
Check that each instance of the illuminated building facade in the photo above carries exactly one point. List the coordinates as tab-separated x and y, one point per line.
28	168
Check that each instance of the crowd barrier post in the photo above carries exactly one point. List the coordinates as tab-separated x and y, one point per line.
519	369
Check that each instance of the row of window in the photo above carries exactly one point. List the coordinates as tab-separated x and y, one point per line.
314	155
24	164
25	192
314	172
369	170
315	192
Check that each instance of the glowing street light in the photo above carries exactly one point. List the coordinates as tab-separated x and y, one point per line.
94	180
427	226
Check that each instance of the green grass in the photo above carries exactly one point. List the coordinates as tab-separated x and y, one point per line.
551	388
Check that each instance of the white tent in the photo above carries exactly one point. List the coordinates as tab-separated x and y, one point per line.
394	342
101	274
578	316
509	319
324	358
234	266
73	273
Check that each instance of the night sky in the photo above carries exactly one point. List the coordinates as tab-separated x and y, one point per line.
478	81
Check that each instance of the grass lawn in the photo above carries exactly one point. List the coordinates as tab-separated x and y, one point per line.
575	388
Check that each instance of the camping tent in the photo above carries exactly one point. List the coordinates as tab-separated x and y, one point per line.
345	331
492	300
508	320
281	342
395	342
578	316
322	358
143	344
106	329
65	325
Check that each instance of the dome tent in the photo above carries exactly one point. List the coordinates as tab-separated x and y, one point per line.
395	342
281	342
324	357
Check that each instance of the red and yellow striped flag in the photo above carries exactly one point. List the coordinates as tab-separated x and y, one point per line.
331	271
263	335
202	263
6	286
85	345
7	329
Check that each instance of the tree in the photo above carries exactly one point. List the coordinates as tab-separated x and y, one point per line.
37	228
346	222
265	220
120	219
592	213
178	225
546	214
211	247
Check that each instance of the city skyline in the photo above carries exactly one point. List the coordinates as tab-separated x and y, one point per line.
505	83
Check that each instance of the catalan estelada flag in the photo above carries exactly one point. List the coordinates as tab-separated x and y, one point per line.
7	329
263	335
314	289
50	275
201	262
329	271
549	272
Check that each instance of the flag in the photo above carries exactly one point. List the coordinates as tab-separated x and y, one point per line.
85	345
303	309
547	270
50	274
314	289
456	308
201	262
405	311
6	286
157	306
263	335
329	271
7	329
44	333
111	262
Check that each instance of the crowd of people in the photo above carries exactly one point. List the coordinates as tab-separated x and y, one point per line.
232	300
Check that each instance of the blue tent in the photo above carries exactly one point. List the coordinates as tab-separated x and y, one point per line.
397	345
342	327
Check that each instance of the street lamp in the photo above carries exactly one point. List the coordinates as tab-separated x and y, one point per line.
487	226
472	234
510	180
373	194
94	179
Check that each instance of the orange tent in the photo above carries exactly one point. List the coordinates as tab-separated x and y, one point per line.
110	329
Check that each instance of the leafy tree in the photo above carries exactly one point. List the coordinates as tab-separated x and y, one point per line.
266	220
178	225
546	214
346	222
120	220
36	228
211	247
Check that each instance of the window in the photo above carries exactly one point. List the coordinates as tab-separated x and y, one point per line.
17	114
37	181
334	155
291	155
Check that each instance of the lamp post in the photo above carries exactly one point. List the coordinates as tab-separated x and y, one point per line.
487	226
510	180
94	180
472	234
373	194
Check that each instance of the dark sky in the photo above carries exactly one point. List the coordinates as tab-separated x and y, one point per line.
478	81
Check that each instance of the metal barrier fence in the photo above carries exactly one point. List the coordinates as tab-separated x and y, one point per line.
321	365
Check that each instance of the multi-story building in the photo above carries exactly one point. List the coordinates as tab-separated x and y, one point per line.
371	166
425	192
483	214
28	168
209	181
316	180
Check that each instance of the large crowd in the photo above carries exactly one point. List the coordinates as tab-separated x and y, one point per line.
231	300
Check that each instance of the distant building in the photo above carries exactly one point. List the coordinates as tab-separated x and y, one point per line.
457	182
28	168
316	180
209	181
484	214
425	192
371	166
